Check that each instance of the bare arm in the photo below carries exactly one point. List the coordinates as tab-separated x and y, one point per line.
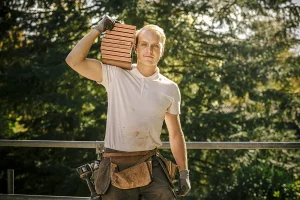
177	142
178	148
89	68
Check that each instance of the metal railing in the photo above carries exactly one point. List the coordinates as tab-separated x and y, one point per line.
98	145
166	145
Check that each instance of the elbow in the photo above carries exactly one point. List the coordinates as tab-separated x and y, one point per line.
72	61
69	60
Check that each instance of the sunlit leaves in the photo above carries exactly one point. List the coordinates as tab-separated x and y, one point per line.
236	63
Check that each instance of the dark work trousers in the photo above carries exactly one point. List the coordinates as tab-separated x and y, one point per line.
158	189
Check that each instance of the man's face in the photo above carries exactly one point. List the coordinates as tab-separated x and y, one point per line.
149	48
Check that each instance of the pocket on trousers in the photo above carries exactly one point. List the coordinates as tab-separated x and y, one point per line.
136	176
102	176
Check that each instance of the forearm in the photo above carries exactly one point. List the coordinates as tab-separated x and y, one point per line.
82	48
178	148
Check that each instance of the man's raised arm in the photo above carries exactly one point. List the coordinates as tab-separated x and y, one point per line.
89	68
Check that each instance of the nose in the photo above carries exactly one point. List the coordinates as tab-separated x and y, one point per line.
149	49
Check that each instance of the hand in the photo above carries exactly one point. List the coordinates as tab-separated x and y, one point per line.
106	23
184	185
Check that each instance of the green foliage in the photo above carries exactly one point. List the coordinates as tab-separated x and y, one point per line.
233	60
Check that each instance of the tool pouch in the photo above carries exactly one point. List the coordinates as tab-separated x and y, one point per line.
102	176
136	176
171	168
168	167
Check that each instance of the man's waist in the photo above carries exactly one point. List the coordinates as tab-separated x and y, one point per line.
115	153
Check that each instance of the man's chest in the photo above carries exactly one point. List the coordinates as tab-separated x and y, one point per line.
143	95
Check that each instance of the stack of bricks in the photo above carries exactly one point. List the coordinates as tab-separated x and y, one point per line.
116	46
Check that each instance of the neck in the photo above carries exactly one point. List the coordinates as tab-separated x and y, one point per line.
146	70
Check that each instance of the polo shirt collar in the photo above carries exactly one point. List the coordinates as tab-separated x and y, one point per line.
135	72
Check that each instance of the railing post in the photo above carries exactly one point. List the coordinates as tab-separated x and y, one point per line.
10	181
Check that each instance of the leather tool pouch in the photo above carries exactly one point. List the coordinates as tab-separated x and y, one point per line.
169	168
102	176
136	176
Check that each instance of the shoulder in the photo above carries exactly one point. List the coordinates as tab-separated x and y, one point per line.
114	69
168	82
170	87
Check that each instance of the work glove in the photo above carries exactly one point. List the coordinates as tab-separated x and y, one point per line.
184	185
106	23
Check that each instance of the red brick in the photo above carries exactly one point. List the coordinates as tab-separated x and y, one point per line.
116	54
126	65
116	37
127	26
116	58
106	44
120	42
128	35
124	30
109	48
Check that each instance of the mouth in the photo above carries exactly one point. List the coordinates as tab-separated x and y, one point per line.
149	56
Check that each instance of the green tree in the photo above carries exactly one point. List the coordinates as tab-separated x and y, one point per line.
41	98
233	61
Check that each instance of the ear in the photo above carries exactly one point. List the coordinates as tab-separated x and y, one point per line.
135	48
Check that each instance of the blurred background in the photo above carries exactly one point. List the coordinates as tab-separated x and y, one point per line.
237	63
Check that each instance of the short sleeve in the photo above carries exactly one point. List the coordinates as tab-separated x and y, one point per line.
175	103
108	72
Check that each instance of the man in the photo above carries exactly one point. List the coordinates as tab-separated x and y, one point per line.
139	100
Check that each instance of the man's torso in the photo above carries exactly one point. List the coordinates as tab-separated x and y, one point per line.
136	109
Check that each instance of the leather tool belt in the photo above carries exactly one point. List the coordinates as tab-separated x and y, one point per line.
127	170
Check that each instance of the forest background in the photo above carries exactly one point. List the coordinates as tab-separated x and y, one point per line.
236	62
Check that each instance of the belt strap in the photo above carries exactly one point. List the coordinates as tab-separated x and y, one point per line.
128	154
146	154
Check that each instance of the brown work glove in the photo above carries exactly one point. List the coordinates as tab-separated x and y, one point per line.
184	185
106	23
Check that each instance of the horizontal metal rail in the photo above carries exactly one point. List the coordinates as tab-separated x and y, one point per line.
166	145
100	144
40	197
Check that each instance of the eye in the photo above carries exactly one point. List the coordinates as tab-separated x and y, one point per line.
156	46
143	44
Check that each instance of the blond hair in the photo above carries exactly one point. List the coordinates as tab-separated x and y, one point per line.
155	28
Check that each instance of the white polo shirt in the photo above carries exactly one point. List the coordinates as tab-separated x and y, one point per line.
136	107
